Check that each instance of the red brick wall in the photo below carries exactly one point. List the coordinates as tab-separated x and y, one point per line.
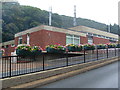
83	40
8	50
97	40
50	37
43	38
35	38
16	41
24	39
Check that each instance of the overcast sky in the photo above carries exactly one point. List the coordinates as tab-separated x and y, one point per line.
104	11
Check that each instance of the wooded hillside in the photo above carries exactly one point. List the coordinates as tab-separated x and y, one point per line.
16	18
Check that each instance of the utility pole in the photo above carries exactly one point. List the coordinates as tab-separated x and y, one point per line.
74	18
50	15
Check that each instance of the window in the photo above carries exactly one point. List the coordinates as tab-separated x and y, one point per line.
90	39
95	35
90	34
106	38
6	46
20	40
12	45
72	39
99	36
28	39
116	39
76	40
103	36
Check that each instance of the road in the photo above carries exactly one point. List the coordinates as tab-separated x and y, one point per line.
104	77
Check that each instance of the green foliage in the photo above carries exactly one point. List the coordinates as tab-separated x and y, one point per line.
16	18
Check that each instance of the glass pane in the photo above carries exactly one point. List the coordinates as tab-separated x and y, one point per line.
69	36
69	41
20	41
76	41
90	40
76	37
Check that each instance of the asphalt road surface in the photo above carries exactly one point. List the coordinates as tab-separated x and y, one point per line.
104	77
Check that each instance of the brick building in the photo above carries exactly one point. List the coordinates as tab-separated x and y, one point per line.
9	47
45	35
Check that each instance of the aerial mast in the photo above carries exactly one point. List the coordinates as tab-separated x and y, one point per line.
74	18
50	15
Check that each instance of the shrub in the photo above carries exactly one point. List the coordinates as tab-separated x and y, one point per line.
55	48
36	50
101	46
111	45
89	46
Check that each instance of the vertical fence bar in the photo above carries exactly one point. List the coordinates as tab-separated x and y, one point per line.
97	53
7	63
33	65
16	65
10	67
43	62
17	57
107	52
5	72
84	56
115	51
2	66
67	58
5	67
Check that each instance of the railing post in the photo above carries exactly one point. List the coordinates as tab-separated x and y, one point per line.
118	52
115	51
66	57
43	62
107	51
97	53
84	56
2	65
10	67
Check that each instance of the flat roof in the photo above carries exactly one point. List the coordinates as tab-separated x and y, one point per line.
7	43
49	28
9	0
94	31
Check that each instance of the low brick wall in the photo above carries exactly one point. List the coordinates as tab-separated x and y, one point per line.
14	81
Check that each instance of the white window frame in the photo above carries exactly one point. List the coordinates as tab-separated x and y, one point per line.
90	40
12	45
73	37
28	39
19	39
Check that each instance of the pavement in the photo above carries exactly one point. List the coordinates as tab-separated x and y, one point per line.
103	77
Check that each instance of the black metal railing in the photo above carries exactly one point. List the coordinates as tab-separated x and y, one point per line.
19	65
